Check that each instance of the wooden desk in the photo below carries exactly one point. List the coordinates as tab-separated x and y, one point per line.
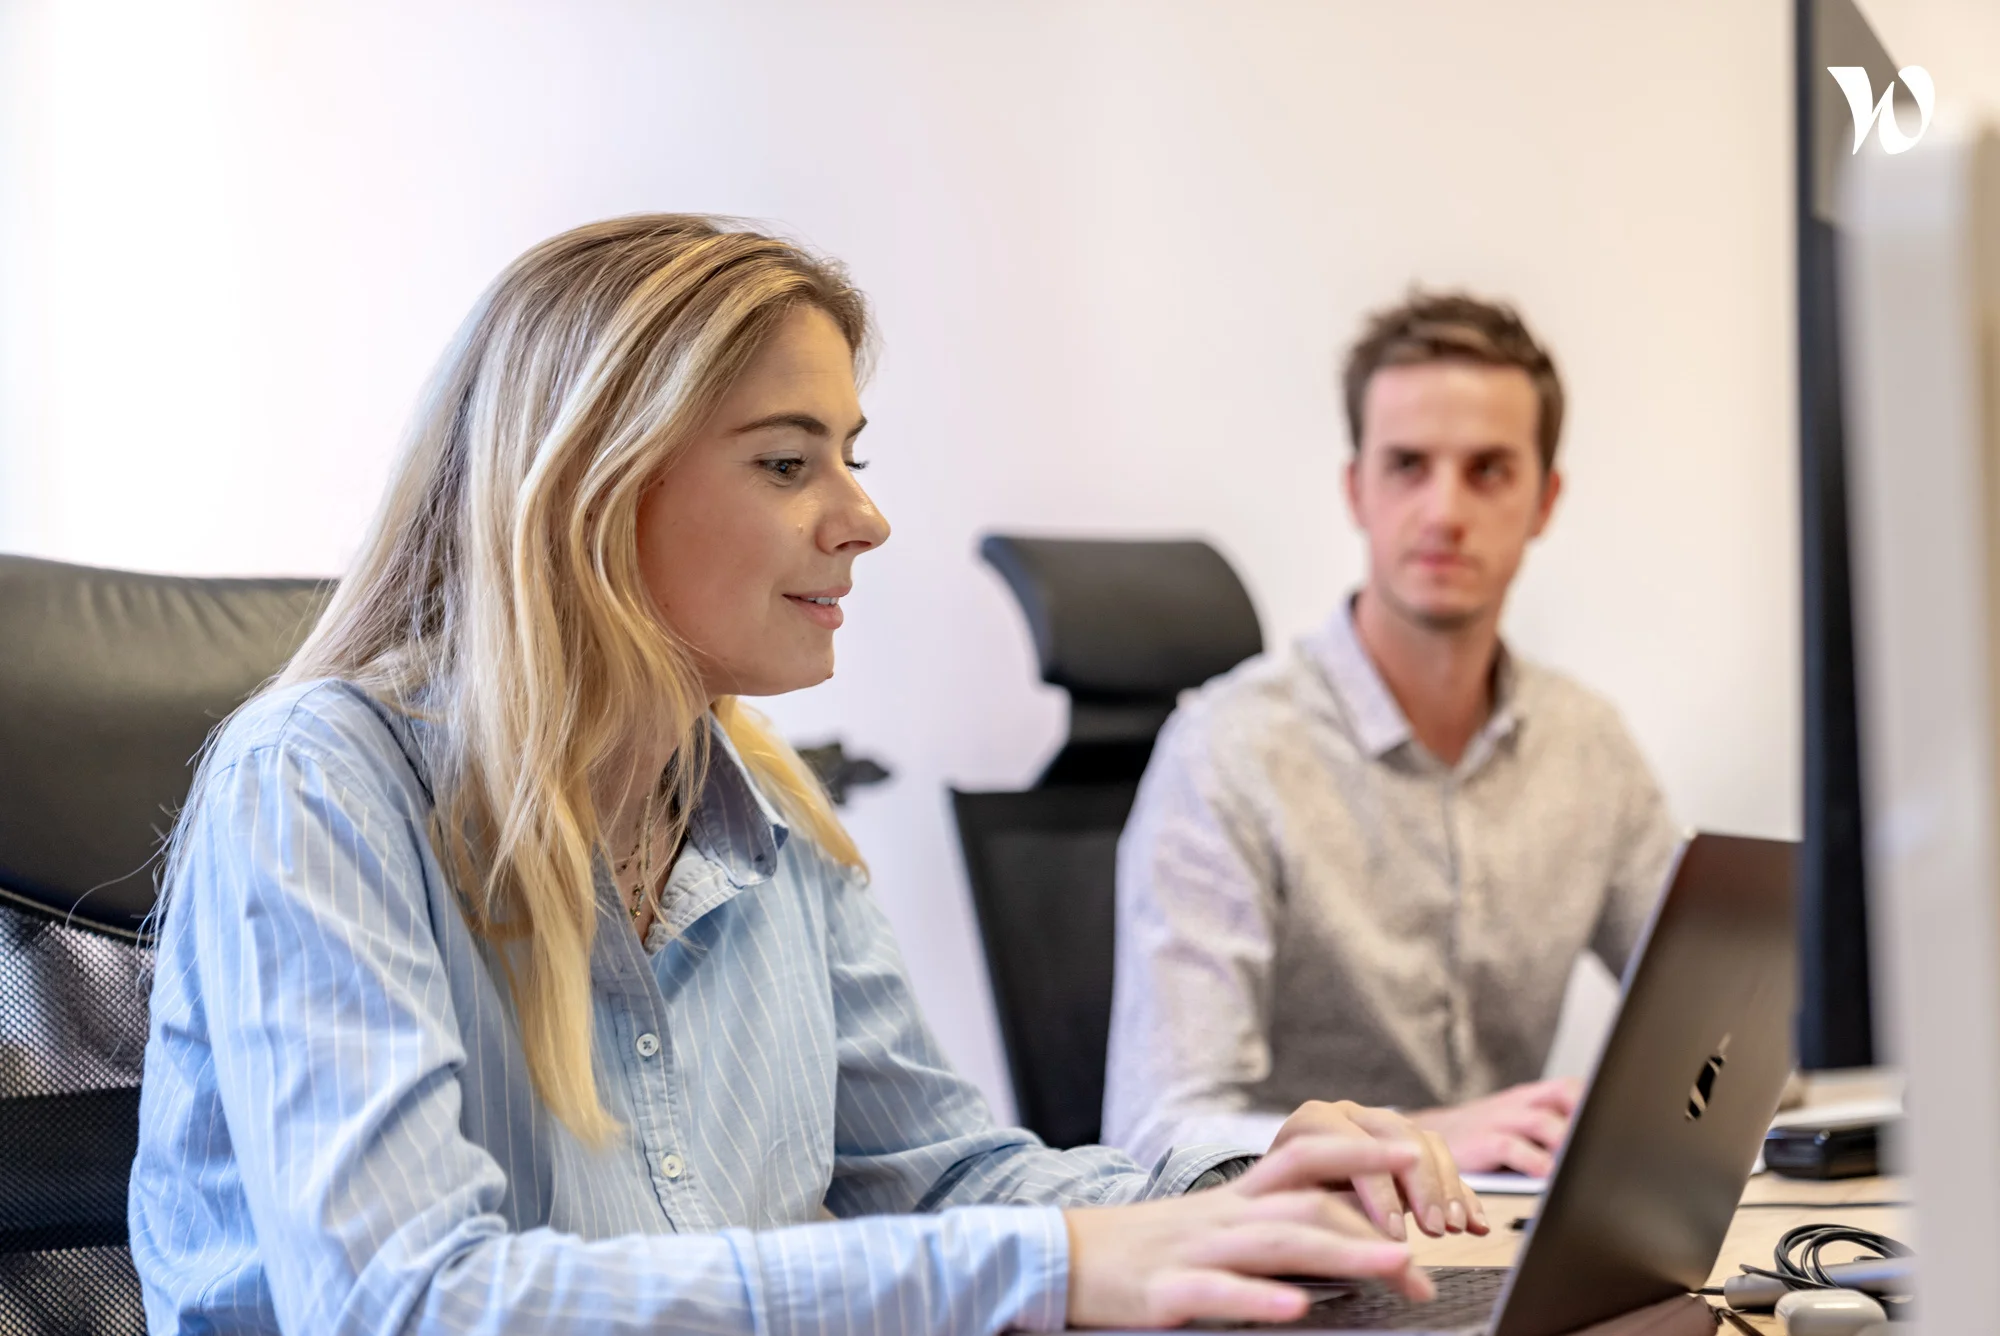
1754	1234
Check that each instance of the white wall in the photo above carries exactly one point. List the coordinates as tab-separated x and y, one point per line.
1115	249
1956	41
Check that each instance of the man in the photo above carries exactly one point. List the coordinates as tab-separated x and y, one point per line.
1363	868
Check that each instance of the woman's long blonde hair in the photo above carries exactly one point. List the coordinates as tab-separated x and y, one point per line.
498	592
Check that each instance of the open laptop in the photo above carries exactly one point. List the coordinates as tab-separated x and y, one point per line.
1649	1178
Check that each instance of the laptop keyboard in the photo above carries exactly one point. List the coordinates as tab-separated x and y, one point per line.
1466	1296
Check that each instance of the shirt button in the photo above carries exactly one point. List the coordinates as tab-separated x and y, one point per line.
671	1166
648	1045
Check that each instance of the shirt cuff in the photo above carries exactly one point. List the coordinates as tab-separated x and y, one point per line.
1224	1172
966	1270
1044	1262
1179	1169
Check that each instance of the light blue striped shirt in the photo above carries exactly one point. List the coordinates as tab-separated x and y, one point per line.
337	1131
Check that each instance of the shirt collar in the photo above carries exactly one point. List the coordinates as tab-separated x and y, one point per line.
734	823
1380	725
732	845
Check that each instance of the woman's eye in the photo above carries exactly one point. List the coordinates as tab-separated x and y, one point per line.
786	468
856	465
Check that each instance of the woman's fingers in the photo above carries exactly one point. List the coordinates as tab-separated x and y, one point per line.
1382	1200
1311	1206
1287	1248
1439	1202
1315	1233
1217	1254
1189	1295
1316	1160
1430	1184
1471	1209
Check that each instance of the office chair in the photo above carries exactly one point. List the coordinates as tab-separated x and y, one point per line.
109	683
1124	627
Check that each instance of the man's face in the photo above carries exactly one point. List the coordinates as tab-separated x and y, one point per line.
1448	488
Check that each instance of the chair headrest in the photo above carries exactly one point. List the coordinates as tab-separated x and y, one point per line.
109	683
1128	620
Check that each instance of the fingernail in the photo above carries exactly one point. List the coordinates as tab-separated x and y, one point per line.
1454	1216
1479	1212
1395	1226
1434	1220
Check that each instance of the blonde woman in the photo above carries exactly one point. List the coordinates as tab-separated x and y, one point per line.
513	975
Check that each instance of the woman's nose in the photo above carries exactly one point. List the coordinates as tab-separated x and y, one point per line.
853	522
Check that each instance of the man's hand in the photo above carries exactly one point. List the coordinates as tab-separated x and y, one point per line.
1429	1192
1214	1254
1520	1128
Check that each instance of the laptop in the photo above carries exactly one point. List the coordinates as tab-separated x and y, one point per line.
1657	1156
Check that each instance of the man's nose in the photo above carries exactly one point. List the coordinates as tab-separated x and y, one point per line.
1445	499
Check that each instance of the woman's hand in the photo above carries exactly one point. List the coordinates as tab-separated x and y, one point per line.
1213	1254
1428	1191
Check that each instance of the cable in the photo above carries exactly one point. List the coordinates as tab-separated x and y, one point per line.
1809	1241
1819	1205
1737	1321
1521	1222
1883	1267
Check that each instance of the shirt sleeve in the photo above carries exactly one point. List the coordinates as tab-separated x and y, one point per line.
911	1134
1647	843
301	911
1190	1014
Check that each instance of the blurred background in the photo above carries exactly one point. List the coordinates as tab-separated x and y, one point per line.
1115	250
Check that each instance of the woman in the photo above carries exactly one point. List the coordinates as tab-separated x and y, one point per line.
511	972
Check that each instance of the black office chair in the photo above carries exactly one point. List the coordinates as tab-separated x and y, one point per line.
109	682
1124	627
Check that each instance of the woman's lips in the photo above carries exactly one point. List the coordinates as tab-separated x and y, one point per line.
827	614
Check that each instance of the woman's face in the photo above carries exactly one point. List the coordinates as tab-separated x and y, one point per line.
747	541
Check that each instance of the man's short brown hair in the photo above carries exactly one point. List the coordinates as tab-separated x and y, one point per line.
1455	327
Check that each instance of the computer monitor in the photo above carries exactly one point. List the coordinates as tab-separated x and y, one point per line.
1922	272
1835	1019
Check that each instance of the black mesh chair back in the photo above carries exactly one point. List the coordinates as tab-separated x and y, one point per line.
1124	628
109	683
1041	865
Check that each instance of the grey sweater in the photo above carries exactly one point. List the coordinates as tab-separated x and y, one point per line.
1312	906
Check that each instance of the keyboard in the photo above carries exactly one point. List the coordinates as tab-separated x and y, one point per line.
1466	1297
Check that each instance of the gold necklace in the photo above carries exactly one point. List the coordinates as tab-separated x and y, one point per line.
650	814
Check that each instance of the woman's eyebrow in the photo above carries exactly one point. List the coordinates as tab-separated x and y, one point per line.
804	422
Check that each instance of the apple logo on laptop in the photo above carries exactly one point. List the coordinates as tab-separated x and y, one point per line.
1704	1085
